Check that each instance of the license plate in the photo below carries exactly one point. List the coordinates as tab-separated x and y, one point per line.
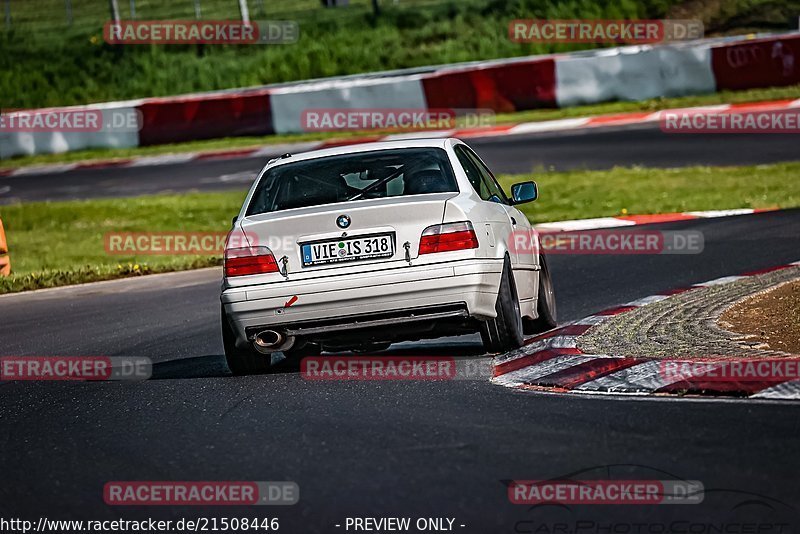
348	249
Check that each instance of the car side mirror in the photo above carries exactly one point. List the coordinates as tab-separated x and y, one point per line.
524	192
233	221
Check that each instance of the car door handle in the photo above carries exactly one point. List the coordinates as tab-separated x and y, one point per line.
513	221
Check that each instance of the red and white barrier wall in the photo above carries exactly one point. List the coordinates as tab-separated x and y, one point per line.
767	62
209	116
504	86
44	141
634	73
288	103
626	73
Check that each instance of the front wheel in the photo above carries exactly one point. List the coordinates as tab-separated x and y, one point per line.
504	332
241	361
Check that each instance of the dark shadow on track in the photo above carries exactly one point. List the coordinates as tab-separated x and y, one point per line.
208	366
214	366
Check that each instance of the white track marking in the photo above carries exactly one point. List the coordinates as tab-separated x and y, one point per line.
585	224
787	390
720	213
165	159
548	126
719	281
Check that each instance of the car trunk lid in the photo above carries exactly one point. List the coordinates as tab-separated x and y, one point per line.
403	218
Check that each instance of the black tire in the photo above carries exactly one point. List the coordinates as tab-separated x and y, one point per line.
545	305
241	361
504	332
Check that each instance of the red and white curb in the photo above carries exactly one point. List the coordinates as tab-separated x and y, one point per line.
634	220
269	151
621	119
624	119
578	123
553	362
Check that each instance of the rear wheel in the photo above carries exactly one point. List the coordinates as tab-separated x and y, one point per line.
545	305
241	361
504	332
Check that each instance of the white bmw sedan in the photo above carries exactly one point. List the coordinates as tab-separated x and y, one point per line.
357	247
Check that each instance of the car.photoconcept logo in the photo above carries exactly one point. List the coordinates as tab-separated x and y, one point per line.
343	221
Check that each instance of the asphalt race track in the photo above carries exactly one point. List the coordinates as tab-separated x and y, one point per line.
369	449
598	148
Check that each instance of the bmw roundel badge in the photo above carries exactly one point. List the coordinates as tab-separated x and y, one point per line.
343	221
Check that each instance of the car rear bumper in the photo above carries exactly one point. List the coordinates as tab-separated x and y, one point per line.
469	285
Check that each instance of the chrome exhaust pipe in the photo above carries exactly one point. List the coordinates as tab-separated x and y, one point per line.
269	341
266	341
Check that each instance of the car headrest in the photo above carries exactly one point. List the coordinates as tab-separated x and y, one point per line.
427	181
305	192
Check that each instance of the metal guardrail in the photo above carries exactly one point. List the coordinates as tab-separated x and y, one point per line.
58	15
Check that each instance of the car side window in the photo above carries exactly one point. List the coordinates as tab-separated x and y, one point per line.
472	172
489	182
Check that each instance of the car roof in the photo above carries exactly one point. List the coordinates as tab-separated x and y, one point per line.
368	147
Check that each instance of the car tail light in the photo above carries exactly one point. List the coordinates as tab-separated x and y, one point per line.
242	259
249	260
447	237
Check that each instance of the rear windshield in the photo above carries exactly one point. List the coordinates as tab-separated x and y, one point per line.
363	175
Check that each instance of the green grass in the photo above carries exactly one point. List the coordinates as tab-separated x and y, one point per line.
44	62
62	243
752	95
332	42
86	14
586	194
